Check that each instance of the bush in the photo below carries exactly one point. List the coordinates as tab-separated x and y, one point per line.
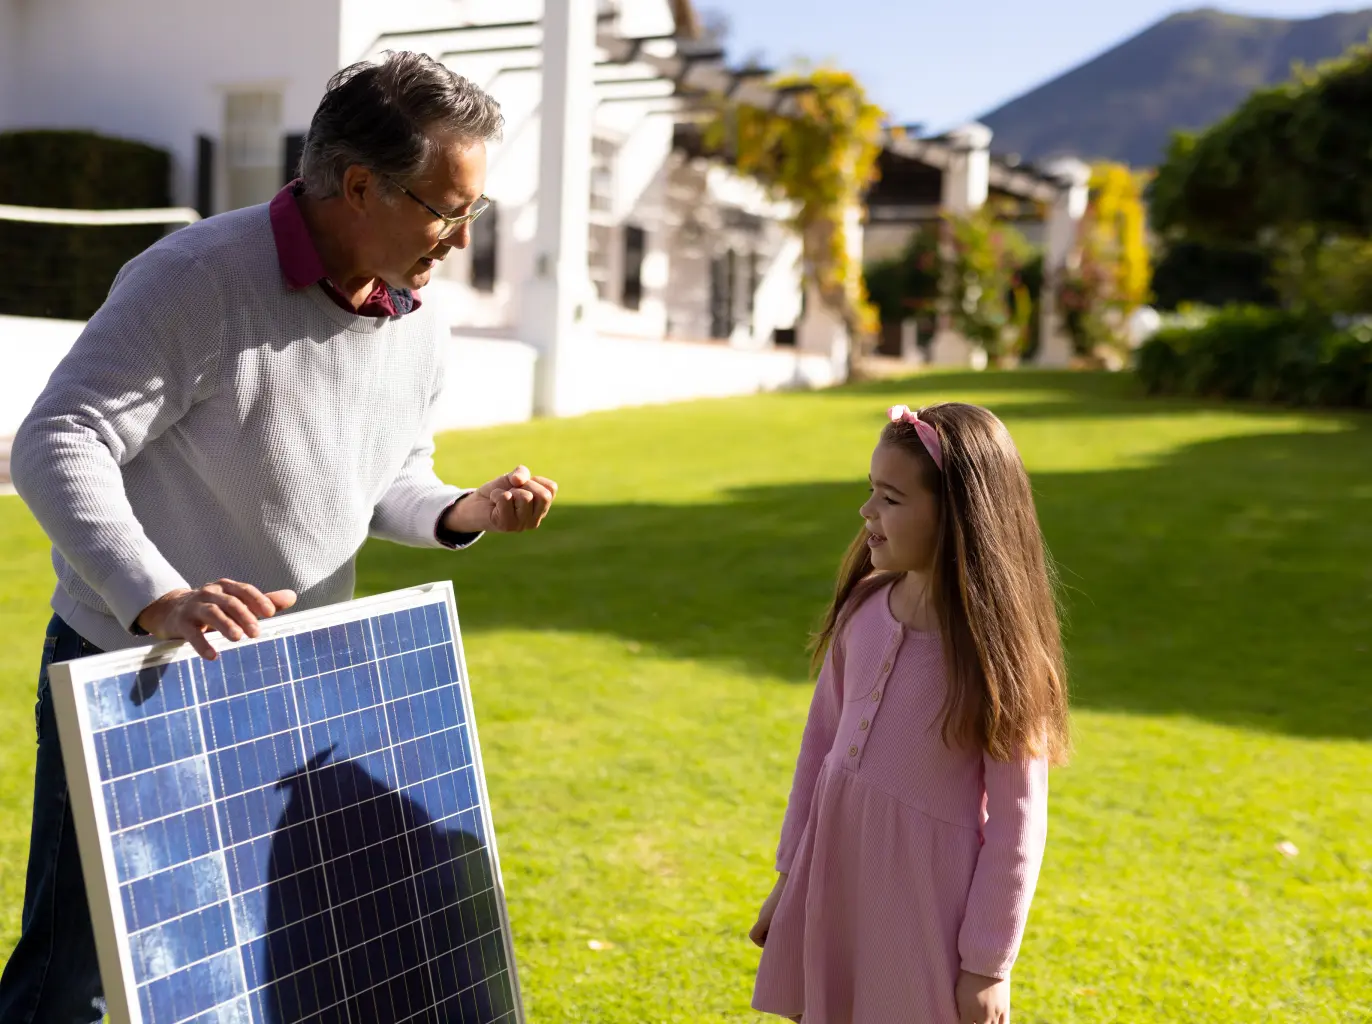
66	271
1213	275
1251	352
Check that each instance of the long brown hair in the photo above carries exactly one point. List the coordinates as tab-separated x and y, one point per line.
993	588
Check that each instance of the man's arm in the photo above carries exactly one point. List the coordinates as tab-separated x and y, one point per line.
416	504
149	354
420	510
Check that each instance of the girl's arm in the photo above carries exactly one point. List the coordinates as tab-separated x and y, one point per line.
1007	867
820	729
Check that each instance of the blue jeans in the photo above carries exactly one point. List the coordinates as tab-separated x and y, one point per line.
53	976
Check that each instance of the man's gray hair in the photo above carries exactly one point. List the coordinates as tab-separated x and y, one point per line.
385	116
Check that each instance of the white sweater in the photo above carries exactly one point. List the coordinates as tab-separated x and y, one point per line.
211	423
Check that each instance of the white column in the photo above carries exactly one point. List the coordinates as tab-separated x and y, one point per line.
909	342
555	303
966	185
967	180
1064	220
822	330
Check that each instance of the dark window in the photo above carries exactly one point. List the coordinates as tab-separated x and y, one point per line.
485	233
754	279
635	244
722	270
204	175
295	146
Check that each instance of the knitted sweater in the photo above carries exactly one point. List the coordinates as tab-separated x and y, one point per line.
211	422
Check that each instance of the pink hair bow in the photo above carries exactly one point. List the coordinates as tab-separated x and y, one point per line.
927	434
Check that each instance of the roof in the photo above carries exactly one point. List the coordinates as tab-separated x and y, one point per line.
1023	181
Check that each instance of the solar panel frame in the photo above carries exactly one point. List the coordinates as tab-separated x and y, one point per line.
90	812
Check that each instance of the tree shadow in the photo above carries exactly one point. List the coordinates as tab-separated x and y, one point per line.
1082	385
1033	394
1227	581
374	910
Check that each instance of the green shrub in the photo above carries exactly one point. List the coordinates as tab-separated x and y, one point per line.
1251	352
66	271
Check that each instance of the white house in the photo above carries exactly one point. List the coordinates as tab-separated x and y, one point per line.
692	276
674	277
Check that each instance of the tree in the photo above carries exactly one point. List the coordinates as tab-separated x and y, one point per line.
1109	274
1292	155
822	157
1117	230
1285	177
987	302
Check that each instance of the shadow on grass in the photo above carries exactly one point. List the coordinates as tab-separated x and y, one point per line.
1027	395
1229	582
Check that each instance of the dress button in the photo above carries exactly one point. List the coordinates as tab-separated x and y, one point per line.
886	668
864	724
852	751
876	696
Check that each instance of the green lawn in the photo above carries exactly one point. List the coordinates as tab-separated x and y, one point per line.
640	685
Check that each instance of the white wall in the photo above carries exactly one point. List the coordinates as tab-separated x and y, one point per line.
161	76
30	349
489	381
612	373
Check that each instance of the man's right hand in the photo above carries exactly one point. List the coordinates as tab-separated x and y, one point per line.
230	607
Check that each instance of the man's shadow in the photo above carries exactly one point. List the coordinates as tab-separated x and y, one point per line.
375	912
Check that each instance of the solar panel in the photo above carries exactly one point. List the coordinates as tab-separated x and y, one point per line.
296	832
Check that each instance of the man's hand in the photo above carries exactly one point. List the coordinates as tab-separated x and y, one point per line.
982	1000
228	606
512	503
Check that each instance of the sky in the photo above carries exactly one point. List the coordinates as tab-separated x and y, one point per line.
943	62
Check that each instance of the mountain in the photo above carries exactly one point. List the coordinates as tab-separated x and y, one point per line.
1186	72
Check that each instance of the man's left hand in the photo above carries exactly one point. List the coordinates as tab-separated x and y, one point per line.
512	503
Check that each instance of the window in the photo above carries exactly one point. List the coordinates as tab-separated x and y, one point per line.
635	244
295	149
598	257
603	153
754	280
204	175
253	147
722	270
600	244
485	236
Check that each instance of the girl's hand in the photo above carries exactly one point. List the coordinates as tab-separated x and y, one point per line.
983	1000
758	933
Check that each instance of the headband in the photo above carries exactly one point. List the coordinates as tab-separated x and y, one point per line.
927	434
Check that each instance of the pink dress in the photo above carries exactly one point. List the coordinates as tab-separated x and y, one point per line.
907	861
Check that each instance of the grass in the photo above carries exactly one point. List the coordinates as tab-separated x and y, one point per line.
640	685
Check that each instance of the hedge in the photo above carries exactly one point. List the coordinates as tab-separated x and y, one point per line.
1194	273
66	271
1252	352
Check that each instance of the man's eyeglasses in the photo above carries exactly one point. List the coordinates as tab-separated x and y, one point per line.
450	224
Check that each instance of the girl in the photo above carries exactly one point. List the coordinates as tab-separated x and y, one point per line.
918	813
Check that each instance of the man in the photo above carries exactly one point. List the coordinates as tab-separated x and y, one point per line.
248	406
